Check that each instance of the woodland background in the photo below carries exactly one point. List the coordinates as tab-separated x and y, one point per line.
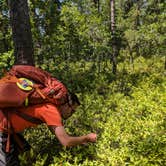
126	107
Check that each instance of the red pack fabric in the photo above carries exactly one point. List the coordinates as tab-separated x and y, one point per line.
33	73
10	94
53	90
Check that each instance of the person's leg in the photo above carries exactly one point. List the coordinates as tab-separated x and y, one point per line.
11	158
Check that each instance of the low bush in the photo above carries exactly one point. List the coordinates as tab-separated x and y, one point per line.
128	114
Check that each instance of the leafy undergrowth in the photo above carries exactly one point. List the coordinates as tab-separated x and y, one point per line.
128	114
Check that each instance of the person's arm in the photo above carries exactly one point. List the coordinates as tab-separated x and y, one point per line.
68	141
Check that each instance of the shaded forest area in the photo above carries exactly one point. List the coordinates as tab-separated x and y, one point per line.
79	43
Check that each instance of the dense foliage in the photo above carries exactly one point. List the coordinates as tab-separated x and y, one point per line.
78	30
128	115
72	40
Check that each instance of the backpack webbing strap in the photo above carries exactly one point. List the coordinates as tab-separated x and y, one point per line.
28	117
10	129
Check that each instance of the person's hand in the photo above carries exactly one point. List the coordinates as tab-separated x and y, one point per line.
92	137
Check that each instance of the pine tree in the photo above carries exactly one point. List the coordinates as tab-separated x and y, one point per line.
21	31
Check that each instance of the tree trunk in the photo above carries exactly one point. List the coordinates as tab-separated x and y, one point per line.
112	28
97	4
21	31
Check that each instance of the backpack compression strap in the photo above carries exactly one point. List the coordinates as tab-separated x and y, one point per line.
10	129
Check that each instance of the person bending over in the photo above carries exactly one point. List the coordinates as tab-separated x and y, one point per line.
26	117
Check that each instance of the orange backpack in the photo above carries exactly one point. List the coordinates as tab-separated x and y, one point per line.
30	85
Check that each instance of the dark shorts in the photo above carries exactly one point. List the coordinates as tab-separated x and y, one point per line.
11	158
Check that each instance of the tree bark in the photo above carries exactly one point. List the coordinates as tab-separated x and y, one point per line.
21	31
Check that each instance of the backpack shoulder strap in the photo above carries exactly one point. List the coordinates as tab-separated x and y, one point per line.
28	117
21	144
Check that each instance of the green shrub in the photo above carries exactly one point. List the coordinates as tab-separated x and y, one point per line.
128	114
